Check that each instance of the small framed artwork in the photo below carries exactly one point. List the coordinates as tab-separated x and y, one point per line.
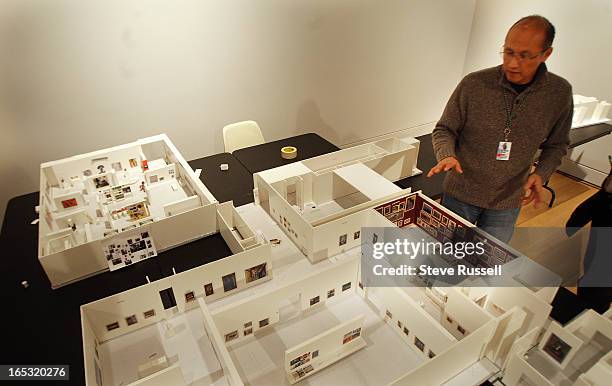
346	286
427	208
406	331
112	326
116	166
356	235
410	202
556	348
560	345
87	172
189	297
437	215
451	225
229	282
314	301
431	354
100	182
264	322
231	336
444	220
131	320
420	345
149	314
133	163
248	331
331	293
342	240
255	273
69	203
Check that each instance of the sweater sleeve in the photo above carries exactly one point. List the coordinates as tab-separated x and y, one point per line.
446	132
555	146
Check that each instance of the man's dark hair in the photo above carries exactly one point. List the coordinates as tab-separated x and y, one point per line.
549	29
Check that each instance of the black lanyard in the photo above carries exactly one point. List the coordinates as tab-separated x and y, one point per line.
510	114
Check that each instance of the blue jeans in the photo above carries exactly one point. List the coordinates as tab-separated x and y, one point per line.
498	223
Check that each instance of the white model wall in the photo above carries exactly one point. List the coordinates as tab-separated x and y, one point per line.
89	350
87	259
419	323
77	76
216	340
137	300
536	309
464	312
169	376
254	309
450	362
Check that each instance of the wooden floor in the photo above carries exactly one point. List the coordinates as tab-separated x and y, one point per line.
569	194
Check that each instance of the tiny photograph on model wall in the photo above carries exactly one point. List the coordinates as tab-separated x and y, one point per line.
557	348
255	273
229	282
349	336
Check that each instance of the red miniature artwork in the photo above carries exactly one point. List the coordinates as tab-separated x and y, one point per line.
145	165
69	203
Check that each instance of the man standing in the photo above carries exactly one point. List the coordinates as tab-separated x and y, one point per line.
493	125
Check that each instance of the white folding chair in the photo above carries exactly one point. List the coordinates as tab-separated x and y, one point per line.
241	134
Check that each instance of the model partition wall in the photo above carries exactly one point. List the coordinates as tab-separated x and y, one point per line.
115	207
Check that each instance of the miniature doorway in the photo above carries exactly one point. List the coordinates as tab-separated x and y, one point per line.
290	308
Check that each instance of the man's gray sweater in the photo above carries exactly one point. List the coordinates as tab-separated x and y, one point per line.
472	126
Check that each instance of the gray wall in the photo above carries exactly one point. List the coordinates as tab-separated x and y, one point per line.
77	76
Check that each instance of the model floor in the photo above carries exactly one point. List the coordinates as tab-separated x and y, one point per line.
181	339
385	358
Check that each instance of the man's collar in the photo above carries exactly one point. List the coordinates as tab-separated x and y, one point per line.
540	78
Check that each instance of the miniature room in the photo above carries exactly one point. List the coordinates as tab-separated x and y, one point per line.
303	323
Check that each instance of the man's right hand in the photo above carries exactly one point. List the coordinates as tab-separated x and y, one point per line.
445	165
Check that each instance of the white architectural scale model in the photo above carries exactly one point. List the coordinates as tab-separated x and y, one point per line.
289	305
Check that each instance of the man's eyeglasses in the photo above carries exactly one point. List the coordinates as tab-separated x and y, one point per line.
507	54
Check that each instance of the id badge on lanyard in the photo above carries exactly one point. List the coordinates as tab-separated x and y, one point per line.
503	151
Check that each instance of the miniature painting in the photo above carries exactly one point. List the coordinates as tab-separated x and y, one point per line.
255	273
100	182
557	348
72	202
229	282
208	289
420	345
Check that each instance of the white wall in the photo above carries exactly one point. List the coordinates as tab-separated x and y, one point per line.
78	76
451	362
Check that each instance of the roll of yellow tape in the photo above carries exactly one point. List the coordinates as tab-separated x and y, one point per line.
289	152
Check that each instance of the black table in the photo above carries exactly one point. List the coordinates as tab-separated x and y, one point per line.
430	186
43	326
234	184
267	155
586	134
